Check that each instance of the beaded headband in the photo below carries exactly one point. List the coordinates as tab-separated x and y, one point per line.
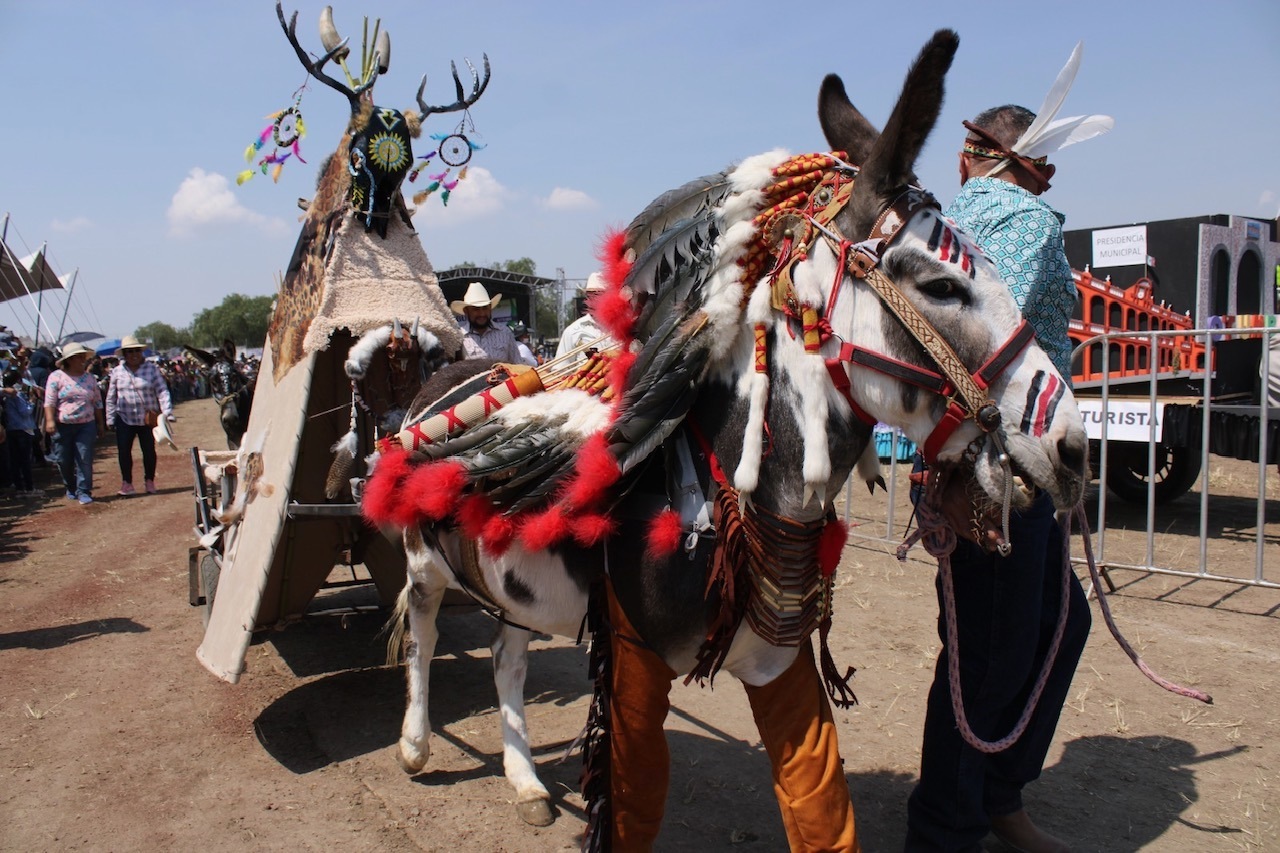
995	154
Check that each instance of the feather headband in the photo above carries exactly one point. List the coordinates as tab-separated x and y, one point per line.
1048	133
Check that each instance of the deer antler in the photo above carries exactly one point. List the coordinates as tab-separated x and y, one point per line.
316	67
477	89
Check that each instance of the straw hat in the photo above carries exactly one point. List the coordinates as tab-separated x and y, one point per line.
595	284
130	342
71	349
476	297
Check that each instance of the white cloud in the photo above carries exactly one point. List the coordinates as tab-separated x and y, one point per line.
204	199
563	198
77	223
478	194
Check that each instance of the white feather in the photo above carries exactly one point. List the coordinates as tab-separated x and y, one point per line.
1068	131
1052	102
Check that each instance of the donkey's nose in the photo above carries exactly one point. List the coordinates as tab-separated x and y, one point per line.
1071	451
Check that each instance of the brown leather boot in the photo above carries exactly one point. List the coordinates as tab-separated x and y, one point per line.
640	765
794	719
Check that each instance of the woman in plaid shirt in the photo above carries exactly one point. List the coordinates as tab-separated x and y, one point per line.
136	388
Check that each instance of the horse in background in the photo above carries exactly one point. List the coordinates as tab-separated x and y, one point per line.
230	387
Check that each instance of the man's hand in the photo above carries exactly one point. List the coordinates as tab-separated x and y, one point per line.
965	507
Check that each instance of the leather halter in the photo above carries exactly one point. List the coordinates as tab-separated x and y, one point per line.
965	391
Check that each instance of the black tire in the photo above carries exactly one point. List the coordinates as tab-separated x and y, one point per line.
209	574
1176	470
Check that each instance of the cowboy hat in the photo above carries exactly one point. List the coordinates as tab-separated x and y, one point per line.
162	432
595	284
72	349
475	297
130	342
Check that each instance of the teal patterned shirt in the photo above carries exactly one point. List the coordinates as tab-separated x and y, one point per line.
1023	237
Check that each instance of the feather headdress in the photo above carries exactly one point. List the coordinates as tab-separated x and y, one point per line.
1048	133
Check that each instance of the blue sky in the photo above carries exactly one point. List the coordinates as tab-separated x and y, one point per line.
127	121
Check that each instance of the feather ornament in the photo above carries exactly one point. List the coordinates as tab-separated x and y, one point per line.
1047	133
344	461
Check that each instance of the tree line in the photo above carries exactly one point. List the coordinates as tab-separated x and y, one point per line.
244	319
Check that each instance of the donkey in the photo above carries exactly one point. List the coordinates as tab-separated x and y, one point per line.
782	308
232	390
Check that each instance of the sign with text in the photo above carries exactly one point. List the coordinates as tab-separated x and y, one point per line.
1126	420
1120	247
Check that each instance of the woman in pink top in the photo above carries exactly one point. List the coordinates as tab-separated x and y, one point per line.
73	417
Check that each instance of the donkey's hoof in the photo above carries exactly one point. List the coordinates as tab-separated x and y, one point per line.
411	758
535	812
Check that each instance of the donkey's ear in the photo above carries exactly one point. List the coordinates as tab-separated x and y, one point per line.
845	127
888	167
205	358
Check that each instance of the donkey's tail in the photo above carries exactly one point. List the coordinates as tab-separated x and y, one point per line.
397	626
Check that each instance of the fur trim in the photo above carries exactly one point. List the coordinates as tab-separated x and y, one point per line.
362	351
747	475
664	534
543	529
595	470
474	512
578	412
831	545
499	534
613	255
435	488
381	492
592	528
868	466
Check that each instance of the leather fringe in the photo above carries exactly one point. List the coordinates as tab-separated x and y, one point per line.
596	772
728	575
837	686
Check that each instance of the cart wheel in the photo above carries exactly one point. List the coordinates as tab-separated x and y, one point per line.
209	573
1176	471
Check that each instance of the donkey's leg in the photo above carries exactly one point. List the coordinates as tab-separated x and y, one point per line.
510	666
795	723
425	592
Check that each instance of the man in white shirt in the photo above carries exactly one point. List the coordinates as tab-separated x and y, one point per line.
484	339
585	329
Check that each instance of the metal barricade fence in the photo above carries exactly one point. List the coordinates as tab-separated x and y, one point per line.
1206	539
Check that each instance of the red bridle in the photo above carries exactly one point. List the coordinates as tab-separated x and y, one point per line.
965	390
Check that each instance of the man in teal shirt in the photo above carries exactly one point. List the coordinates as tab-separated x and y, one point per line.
1006	607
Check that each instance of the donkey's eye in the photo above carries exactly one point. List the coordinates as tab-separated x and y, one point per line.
940	288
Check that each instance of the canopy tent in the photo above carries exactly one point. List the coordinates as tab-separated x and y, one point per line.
25	276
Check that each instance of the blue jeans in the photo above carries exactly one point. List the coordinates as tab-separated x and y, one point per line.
74	450
1006	609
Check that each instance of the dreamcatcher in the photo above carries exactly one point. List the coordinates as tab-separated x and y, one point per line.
286	131
454	150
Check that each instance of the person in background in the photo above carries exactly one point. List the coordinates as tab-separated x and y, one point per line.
483	339
521	333
136	391
20	431
585	329
73	417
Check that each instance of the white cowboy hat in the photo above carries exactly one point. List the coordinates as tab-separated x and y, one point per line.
476	297
130	342
595	284
163	433
74	348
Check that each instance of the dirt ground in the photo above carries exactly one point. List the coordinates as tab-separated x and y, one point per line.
113	737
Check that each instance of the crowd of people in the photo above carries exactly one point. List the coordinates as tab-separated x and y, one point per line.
56	404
